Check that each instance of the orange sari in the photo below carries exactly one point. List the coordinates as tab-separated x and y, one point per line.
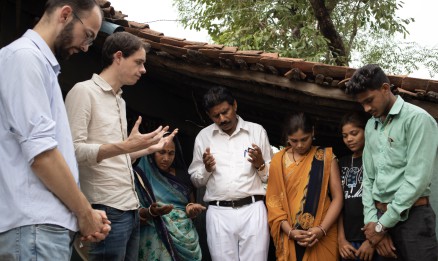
285	196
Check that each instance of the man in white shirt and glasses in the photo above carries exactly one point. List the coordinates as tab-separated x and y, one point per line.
231	158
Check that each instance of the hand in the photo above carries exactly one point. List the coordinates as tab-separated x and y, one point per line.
94	226
209	161
301	237
143	213
157	210
256	156
386	247
365	251
193	210
137	141
346	250
371	234
163	141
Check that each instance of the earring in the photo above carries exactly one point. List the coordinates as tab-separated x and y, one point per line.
313	138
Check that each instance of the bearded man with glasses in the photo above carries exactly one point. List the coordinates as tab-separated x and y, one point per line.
42	206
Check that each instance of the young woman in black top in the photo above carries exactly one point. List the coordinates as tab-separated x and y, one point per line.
351	239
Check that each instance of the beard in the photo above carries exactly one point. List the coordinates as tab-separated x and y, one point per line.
63	41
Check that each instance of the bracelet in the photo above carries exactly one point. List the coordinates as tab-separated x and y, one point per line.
261	167
189	204
323	230
288	234
150	212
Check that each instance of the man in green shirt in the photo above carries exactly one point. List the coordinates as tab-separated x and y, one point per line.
399	159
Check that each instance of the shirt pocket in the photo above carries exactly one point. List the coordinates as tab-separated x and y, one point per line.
396	154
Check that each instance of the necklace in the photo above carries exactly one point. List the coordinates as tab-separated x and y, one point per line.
301	160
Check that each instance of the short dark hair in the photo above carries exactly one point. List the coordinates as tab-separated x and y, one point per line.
79	6
215	96
125	42
368	77
296	121
357	118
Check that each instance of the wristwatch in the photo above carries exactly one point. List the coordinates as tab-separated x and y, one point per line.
379	228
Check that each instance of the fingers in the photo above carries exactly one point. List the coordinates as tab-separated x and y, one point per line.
136	125
208	159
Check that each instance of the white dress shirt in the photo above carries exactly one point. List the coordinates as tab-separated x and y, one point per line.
234	177
97	116
32	120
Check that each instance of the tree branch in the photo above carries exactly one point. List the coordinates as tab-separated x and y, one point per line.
328	30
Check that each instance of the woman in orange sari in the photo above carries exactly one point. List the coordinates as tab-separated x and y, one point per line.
304	196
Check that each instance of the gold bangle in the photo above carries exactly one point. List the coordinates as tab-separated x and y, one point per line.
323	230
288	234
189	204
150	212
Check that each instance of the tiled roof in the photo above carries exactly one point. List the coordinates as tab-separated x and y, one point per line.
294	69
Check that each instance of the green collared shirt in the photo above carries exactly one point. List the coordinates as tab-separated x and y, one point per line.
399	159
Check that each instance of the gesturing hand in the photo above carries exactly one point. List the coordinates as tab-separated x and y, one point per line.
208	160
163	141
137	141
158	210
255	156
194	209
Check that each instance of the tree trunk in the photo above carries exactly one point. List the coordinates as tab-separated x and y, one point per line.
328	30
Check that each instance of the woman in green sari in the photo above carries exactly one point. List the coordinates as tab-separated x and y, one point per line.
166	195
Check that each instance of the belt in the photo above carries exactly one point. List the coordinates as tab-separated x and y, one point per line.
420	202
237	203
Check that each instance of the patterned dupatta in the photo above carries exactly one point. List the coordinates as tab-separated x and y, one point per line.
298	193
146	193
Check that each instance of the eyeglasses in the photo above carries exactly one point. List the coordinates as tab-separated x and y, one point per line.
90	38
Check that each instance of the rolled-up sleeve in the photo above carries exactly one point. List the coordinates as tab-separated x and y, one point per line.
78	106
26	111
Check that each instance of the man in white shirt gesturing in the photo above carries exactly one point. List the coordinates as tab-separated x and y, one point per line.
231	158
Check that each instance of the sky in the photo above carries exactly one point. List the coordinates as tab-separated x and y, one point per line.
423	30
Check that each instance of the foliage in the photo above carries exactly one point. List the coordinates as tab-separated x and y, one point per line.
395	56
289	27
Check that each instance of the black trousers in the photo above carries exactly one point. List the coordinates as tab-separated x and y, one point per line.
415	239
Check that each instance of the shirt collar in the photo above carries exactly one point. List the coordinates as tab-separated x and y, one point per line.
99	81
397	106
44	48
241	125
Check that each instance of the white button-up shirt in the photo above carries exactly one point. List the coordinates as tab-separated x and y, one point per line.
32	120
234	177
97	116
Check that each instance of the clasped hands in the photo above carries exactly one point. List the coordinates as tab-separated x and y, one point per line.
381	241
94	226
306	238
255	156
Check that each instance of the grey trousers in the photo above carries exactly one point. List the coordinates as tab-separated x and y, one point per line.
415	239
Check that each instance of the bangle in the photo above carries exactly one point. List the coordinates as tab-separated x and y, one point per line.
189	204
150	212
323	230
261	167
288	234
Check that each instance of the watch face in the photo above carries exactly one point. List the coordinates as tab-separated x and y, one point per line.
378	227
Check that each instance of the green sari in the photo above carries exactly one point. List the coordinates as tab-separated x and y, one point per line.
172	236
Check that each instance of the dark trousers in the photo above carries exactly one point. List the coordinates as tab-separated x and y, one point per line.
415	238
